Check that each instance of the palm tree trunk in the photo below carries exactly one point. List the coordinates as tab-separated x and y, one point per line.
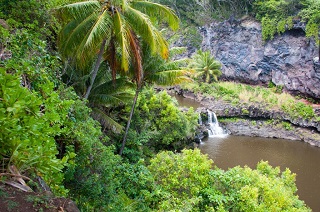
129	120
96	68
207	77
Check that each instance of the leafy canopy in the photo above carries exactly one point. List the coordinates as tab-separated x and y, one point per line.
311	14
189	183
158	124
88	23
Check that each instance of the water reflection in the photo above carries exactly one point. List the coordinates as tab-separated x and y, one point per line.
299	157
186	102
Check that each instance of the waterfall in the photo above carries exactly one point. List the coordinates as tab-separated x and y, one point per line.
200	119
214	129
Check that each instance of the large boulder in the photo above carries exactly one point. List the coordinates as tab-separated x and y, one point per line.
289	60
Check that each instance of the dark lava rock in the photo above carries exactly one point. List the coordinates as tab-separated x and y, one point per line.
289	60
255	120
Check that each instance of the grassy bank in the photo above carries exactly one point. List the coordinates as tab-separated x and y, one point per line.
271	98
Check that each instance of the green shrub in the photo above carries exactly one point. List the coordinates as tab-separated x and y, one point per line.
287	126
311	14
29	124
268	30
186	181
245	111
244	189
159	124
32	112
182	175
93	180
298	109
276	16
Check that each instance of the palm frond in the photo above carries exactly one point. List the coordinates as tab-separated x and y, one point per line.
161	12
214	64
121	29
81	37
135	48
74	32
174	51
103	75
162	45
142	25
99	30
169	77
106	120
88	50
112	94
78	10
109	87
172	64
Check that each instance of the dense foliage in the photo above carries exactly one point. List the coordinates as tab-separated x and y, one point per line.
310	14
47	131
276	16
33	111
27	134
159	124
30	14
284	13
204	11
195	186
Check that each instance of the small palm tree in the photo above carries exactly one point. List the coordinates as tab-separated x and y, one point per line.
106	94
98	30
205	66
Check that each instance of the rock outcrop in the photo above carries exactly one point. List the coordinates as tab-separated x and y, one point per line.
255	120
262	128
289	60
254	112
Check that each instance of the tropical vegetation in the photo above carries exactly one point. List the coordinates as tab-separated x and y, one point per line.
109	27
190	175
158	124
69	71
276	16
205	66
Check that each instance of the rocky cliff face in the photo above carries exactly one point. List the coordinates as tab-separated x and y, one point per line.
289	60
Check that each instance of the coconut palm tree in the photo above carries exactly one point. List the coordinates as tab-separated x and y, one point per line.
98	30
156	71
205	66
